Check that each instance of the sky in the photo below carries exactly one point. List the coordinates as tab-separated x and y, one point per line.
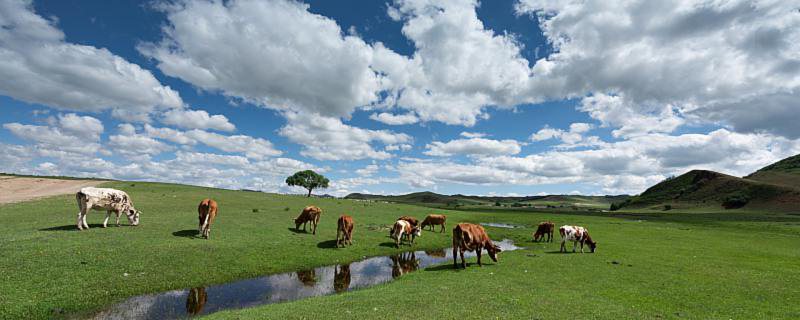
523	97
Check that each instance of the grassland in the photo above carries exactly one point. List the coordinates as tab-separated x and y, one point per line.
737	264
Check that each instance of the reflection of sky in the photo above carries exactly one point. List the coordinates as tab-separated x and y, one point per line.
269	289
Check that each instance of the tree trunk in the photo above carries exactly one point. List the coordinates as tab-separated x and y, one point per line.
309	193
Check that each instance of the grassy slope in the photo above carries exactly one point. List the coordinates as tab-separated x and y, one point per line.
438	200
679	266
708	189
785	172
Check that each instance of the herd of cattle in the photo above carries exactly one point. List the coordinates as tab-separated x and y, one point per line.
466	236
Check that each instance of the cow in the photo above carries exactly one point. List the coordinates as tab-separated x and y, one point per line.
403	228
472	237
207	211
434	220
110	200
545	229
344	230
413	221
576	234
309	214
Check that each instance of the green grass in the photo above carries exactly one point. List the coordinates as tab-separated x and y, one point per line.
668	265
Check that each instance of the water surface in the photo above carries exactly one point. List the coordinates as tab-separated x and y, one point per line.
281	287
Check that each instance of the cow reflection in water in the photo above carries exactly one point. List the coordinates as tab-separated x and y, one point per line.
436	253
196	301
403	263
307	277
341	278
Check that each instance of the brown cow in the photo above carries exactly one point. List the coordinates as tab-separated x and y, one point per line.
207	211
545	229
433	220
472	237
344	231
309	214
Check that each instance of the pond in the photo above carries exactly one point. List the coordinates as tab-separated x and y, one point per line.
281	287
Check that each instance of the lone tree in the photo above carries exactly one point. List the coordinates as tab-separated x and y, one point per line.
308	179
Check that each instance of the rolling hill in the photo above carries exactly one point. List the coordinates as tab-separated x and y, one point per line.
774	187
435	199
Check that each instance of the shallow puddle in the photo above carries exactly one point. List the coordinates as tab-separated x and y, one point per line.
500	225
280	287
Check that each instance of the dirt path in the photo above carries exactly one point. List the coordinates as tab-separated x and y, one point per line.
16	189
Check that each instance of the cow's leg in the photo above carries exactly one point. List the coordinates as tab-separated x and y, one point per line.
478	251
574	245
563	246
80	220
205	228
118	214
463	262
440	231
455	257
85	225
105	222
581	246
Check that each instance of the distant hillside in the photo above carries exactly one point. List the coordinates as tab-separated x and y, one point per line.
702	188
785	172
435	199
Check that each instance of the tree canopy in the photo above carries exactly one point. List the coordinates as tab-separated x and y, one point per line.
308	179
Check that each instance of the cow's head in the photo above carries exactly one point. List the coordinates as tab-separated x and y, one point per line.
592	245
416	231
133	216
493	250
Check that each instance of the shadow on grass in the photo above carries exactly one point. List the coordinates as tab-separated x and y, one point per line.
296	230
442	267
72	227
191	233
389	245
558	252
327	244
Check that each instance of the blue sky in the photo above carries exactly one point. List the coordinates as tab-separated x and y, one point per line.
495	97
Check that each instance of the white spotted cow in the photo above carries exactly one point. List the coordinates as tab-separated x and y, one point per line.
110	200
576	234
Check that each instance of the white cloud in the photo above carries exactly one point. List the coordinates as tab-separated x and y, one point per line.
648	63
196	119
256	148
39	66
135	144
474	146
69	133
393	119
326	138
473	134
368	170
276	53
572	138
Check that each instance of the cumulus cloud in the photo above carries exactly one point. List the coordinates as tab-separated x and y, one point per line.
39	66
394	119
196	119
473	146
574	137
648	64
69	133
252	147
288	58
326	138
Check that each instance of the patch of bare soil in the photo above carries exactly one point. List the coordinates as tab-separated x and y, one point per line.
16	189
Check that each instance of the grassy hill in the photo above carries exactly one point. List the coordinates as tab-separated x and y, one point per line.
714	190
785	172
460	200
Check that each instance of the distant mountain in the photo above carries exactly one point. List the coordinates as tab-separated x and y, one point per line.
709	189
435	199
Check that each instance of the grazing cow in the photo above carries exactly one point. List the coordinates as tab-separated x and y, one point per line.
110	200
576	234
309	214
403	228
196	300
434	220
344	231
545	229
472	237
341	278
207	211
413	221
